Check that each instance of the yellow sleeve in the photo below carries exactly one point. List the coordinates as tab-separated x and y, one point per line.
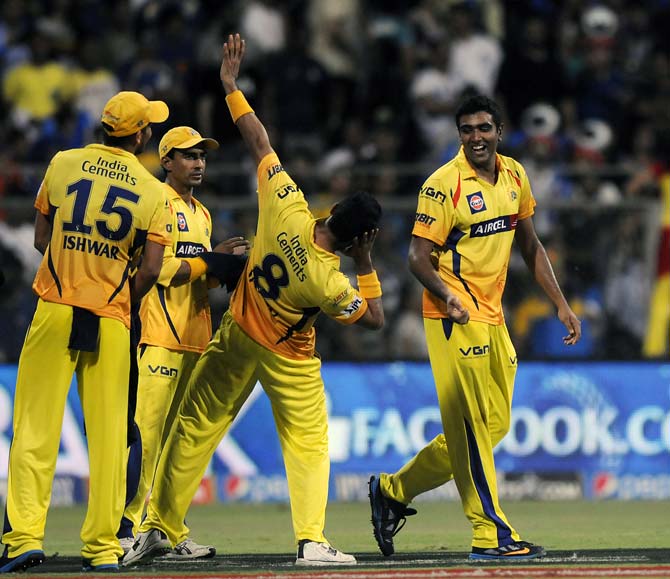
434	213
527	202
160	226
42	200
343	303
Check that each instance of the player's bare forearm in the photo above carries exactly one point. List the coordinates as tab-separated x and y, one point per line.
252	130
422	268
538	263
42	232
148	272
373	318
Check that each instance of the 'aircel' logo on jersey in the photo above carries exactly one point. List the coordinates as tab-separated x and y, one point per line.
476	202
181	221
189	249
493	226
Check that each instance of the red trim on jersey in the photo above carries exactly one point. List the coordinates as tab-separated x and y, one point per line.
516	179
458	192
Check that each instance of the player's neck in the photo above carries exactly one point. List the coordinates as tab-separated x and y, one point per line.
184	191
488	174
323	237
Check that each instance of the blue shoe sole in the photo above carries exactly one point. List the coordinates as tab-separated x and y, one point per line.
104	568
24	561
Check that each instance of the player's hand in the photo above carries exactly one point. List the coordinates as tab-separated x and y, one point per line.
233	52
361	246
456	312
573	325
233	246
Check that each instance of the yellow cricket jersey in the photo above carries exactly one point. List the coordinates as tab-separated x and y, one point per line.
288	279
179	318
103	206
38	89
472	224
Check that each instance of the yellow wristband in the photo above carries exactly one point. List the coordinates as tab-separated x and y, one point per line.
238	105
198	267
369	286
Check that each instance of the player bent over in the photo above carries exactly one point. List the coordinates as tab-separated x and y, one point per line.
267	336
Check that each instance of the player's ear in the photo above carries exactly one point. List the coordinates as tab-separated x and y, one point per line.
166	163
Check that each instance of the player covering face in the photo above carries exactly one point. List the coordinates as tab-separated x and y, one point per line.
267	336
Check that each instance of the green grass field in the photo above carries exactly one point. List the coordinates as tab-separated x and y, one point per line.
239	528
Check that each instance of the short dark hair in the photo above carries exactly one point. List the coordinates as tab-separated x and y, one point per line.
354	216
120	142
475	104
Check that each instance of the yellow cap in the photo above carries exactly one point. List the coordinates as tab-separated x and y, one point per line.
184	138
128	112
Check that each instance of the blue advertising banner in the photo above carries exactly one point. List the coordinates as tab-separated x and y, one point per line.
604	427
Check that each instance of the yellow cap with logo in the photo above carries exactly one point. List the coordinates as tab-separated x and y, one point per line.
128	112
184	138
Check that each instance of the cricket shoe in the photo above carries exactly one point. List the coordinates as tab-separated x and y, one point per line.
126	544
189	549
87	566
21	562
388	516
518	551
149	544
321	554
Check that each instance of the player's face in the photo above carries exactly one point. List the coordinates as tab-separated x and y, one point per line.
188	167
480	137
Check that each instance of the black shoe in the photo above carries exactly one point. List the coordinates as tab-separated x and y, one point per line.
22	562
519	551
388	516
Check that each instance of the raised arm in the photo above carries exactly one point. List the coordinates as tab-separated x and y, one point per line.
538	263
252	130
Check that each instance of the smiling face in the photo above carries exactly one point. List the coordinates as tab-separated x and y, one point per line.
479	136
186	167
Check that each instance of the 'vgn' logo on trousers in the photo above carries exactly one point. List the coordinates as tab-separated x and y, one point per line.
475	350
163	370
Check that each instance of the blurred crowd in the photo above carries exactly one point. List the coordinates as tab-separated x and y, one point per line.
361	94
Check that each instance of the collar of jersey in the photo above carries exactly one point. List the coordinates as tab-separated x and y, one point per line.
116	150
466	169
172	194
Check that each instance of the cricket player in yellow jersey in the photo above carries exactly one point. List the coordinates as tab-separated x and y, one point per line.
97	210
267	335
175	317
469	212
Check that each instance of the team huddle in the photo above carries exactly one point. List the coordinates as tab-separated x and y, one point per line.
123	287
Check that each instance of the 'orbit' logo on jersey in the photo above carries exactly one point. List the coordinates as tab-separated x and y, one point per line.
476	202
181	221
